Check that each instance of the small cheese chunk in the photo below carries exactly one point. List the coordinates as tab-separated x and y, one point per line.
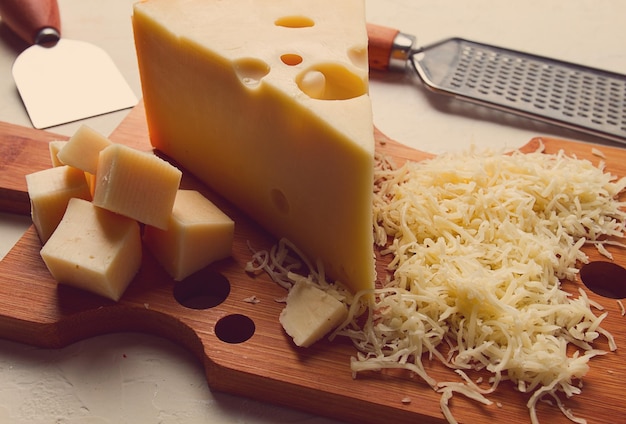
198	234
55	147
83	148
91	182
267	103
50	191
94	249
136	184
310	313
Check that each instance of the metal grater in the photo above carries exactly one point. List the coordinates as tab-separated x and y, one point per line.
578	97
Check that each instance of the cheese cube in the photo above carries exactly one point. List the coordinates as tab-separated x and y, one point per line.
310	313
55	146
94	249
83	148
267	103
50	191
198	234
136	184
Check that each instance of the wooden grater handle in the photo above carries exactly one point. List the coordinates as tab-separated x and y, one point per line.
388	47
380	45
27	18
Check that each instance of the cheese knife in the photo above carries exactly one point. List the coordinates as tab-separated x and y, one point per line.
61	80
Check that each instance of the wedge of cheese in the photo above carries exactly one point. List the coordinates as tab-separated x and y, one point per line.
94	249
49	191
198	234
267	103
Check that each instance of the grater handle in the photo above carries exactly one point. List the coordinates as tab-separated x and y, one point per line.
388	48
32	20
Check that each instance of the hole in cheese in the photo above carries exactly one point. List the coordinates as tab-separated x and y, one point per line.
291	59
296	21
358	56
251	71
279	200
312	83
331	81
235	328
607	279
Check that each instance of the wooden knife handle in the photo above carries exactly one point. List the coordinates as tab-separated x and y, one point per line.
27	18
387	47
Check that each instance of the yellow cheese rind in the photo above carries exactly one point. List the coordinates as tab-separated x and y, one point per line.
198	234
136	184
310	313
289	142
49	191
94	249
83	148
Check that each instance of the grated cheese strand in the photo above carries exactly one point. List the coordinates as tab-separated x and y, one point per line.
479	244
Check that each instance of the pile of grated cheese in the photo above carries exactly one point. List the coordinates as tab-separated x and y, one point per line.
479	243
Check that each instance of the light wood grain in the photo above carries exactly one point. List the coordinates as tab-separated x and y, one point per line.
268	367
21	154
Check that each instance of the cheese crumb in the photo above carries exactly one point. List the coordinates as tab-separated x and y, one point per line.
252	299
598	152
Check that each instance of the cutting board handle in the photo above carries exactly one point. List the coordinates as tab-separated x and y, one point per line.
32	20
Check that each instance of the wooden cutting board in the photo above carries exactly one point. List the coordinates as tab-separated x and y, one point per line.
240	343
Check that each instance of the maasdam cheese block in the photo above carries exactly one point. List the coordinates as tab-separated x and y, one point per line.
267	103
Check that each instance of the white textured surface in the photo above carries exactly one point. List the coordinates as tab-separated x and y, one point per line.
130	378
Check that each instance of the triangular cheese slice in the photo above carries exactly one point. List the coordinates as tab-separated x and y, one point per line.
267	103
